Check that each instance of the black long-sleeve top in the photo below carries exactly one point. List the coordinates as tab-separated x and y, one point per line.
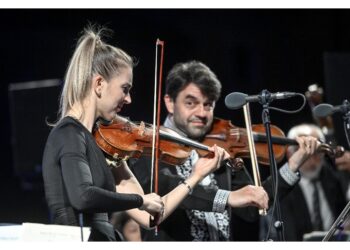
78	180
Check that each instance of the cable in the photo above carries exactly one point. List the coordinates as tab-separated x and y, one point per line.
346	124
275	183
292	111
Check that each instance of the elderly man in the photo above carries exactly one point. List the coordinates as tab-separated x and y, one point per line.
318	198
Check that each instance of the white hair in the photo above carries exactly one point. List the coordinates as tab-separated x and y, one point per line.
306	129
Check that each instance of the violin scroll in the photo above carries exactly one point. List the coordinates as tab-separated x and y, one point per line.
332	152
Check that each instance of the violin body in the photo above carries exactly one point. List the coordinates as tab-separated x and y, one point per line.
122	139
234	140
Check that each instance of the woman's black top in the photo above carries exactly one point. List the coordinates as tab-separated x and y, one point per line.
78	180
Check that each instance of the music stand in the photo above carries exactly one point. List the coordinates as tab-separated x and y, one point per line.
338	222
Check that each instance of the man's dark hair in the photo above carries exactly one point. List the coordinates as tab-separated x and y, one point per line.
182	74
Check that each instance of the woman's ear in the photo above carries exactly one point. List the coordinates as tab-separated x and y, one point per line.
97	83
169	103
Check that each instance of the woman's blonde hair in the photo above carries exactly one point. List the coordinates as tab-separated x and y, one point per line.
92	56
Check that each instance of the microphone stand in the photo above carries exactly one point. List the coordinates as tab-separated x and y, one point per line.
338	224
265	101
81	224
346	120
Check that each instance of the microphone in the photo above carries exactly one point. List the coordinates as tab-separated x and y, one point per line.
236	100
325	109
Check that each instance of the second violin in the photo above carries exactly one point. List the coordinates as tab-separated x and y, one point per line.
234	140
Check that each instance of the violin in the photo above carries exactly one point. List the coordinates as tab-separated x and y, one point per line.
124	139
234	140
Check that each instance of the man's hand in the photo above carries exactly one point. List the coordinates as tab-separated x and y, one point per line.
249	196
343	162
308	145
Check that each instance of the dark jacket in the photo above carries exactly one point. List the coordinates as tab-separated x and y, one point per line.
177	226
295	213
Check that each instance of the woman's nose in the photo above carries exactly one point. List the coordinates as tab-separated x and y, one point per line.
127	99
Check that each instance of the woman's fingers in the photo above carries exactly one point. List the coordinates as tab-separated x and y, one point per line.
152	203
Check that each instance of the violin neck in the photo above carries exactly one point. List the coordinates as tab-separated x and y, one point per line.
188	142
275	139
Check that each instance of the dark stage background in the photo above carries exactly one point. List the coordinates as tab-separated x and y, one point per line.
249	50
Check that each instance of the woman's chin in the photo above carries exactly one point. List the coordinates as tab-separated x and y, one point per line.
110	117
115	112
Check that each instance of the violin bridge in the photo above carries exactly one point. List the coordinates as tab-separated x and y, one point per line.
142	129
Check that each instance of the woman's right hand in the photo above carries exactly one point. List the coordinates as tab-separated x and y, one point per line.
152	203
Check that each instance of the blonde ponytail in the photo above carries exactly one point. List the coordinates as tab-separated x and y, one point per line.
91	56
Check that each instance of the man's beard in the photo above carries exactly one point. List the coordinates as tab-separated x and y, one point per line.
312	175
195	133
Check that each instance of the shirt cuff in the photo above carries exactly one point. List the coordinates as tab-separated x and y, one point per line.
288	175
220	200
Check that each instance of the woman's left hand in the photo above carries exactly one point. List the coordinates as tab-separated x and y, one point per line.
206	165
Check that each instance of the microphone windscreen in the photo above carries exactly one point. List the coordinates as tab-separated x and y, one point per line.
323	110
235	100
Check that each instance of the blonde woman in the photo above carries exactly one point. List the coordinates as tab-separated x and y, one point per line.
79	186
